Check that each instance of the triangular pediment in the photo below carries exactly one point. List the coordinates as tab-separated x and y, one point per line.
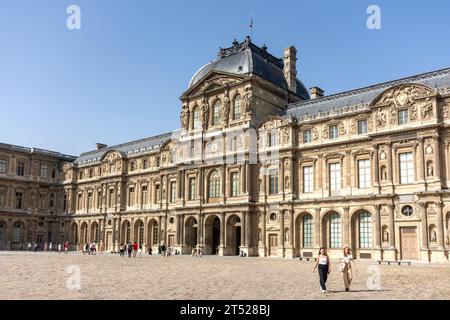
212	81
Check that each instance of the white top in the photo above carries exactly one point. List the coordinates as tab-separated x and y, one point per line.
347	258
323	260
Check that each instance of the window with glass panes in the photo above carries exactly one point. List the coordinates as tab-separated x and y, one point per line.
21	168
2	166
217	110
128	233
237	107
307	231
272	138
214	185
335	231
2	200
196	118
145	164
192	189
335	176
308	179
333	132
141	232
173	191
365	230
80	201
16	233
362	127
89	200
273	182
403	117
406	167
157	193
155	234
364	173
19	200
144	195
131	196
307	136
234	184
99	199
111	198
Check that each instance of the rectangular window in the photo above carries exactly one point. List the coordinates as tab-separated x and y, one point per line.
111	198
21	168
91	173
155	234
173	192
308	179
192	189
80	201
81	175
307	231
364	174
272	139
335	176
273	182
158	161
2	166
2	200
144	195
157	193
196	119
403	117
65	202
406	168
362	127
131	197
99	199
145	164
19	200
333	132
234	184
307	136
89	204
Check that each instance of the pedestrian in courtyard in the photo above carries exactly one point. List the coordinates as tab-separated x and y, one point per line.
45	247
159	250
66	247
102	247
150	250
347	267
163	250
29	246
121	250
129	249
135	249
50	246
59	248
323	262
140	249
35	246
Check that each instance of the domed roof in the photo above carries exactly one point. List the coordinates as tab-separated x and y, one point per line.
246	58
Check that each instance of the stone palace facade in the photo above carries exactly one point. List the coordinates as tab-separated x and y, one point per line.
261	165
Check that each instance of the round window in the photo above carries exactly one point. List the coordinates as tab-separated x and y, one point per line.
41	224
109	222
172	220
273	217
407	211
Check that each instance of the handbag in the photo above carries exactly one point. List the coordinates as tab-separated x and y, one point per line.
342	266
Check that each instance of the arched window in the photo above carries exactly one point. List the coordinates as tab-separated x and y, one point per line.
196	124
214	185
217	112
307	231
16	233
335	231
365	230
237	107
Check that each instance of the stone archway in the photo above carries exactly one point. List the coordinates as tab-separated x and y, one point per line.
303	232
3	239
332	230
233	235
212	234
73	233
94	236
139	232
153	237
125	232
190	234
84	233
361	231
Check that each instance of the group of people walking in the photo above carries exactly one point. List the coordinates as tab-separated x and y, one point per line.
91	248
346	267
48	247
130	249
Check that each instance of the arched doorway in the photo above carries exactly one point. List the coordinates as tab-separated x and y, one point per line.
152	233
94	232
139	232
332	230
73	233
190	234
2	234
303	233
233	236
84	233
212	234
126	232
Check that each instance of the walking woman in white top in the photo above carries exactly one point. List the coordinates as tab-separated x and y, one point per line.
323	262
346	268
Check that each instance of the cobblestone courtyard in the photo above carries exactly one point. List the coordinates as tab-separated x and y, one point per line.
107	276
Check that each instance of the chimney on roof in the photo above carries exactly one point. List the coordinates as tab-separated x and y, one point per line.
99	146
316	93
290	68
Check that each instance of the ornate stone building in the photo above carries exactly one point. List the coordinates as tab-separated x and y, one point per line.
263	166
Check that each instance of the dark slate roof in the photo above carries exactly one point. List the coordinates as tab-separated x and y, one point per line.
11	147
437	80
246	58
129	148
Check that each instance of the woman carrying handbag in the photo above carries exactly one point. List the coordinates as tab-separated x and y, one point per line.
346	267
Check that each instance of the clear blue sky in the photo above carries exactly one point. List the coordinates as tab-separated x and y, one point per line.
119	78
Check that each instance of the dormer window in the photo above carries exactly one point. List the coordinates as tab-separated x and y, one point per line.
217	112
196	118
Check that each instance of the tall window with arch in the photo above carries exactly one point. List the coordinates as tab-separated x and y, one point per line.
16	234
214	185
217	113
335	231
307	231
237	107
365	230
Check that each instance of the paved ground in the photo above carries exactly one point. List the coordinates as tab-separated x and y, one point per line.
46	276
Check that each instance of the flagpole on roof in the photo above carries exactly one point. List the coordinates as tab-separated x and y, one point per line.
251	27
